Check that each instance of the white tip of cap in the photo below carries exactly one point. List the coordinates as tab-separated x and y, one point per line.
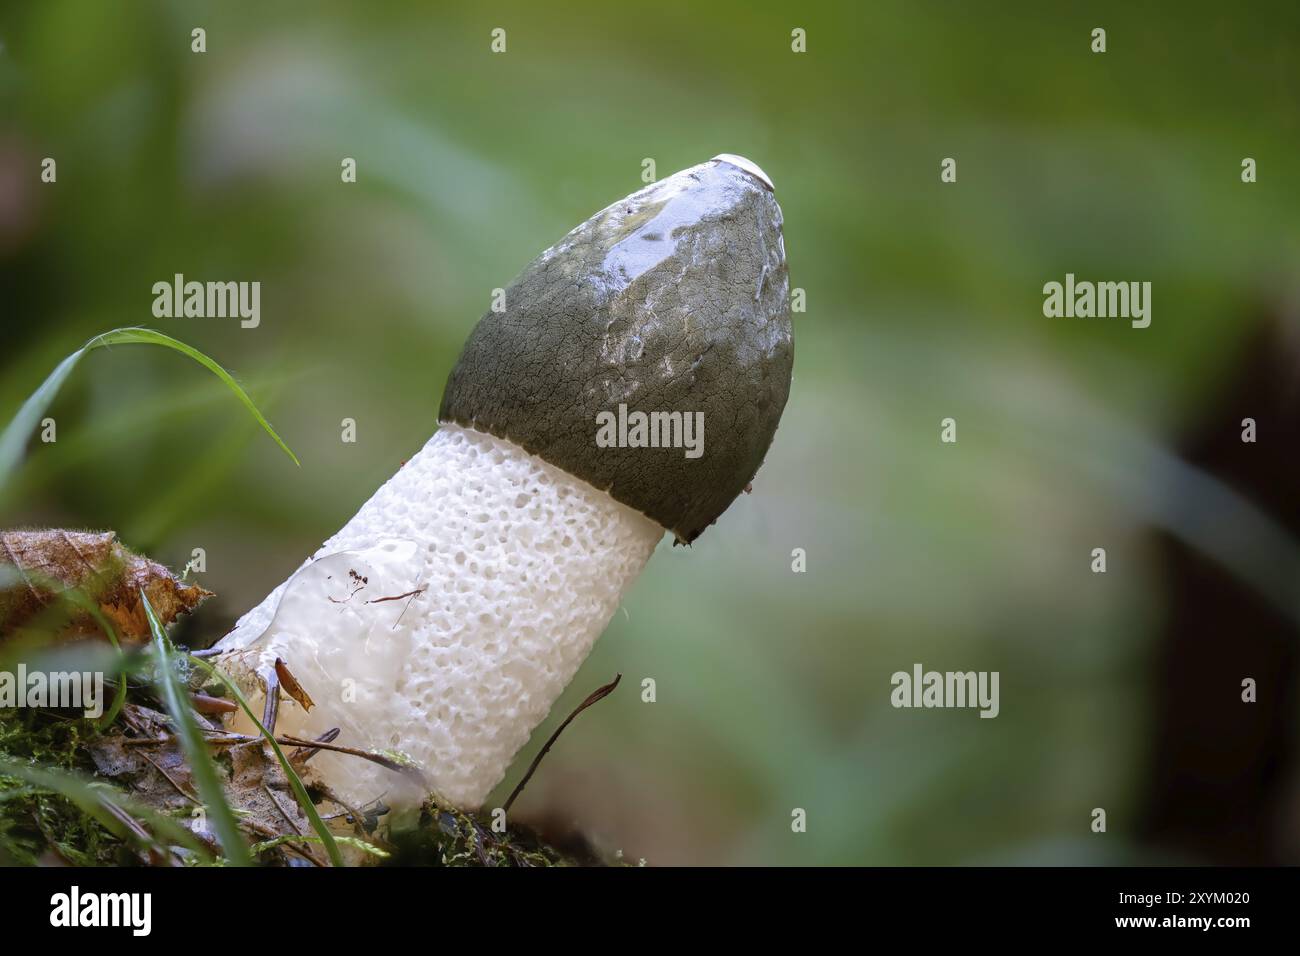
740	162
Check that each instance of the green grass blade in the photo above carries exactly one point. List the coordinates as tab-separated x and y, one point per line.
299	791
79	598
106	806
206	779
14	439
150	337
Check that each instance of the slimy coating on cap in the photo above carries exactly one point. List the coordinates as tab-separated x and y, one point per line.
522	567
673	300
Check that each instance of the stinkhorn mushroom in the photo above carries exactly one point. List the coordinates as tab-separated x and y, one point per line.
443	621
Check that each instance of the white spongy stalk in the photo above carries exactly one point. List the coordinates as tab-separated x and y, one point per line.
442	622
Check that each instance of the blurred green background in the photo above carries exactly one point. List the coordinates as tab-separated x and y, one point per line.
924	301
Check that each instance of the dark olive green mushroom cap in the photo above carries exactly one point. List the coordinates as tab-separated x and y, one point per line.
675	299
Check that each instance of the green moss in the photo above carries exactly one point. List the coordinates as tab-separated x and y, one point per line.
36	822
33	821
448	837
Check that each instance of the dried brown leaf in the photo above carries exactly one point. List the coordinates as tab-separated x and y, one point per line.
42	564
291	686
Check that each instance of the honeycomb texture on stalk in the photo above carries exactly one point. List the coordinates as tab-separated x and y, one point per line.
518	566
